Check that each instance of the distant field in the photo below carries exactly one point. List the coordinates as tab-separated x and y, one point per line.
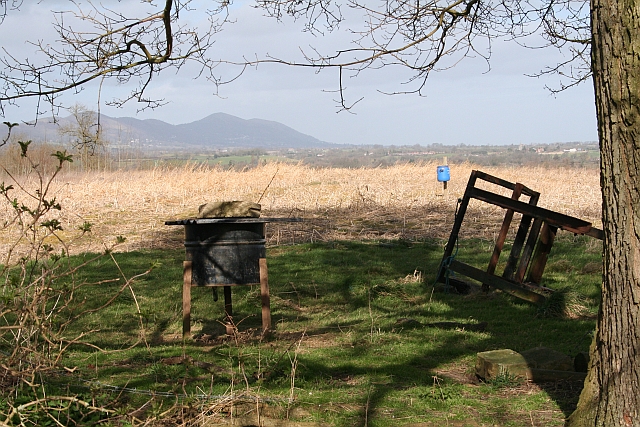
402	201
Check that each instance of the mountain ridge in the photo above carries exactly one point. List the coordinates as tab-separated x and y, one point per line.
215	131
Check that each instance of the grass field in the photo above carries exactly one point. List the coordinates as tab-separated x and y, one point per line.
363	336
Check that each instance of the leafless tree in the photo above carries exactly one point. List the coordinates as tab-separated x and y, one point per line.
84	133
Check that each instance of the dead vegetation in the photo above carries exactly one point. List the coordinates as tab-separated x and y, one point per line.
400	202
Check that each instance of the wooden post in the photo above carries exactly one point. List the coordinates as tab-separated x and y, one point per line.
186	300
444	183
264	295
534	232
228	311
543	248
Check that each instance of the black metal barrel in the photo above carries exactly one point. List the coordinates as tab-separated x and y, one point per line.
224	252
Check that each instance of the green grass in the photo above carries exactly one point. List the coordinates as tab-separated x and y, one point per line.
359	335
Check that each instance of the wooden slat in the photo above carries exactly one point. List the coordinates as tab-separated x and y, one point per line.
596	233
519	241
566	222
527	252
516	248
503	183
497	282
504	230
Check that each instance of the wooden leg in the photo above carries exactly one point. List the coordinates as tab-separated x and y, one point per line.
186	300
264	293
540	256
528	250
228	310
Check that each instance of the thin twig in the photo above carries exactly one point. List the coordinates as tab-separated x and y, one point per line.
268	185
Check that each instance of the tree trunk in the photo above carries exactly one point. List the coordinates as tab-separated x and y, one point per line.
611	396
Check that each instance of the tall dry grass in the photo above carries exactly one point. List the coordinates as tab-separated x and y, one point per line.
403	201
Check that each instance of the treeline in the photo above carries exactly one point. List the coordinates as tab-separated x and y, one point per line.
104	159
579	155
109	157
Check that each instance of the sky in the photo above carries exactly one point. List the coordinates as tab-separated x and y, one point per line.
468	104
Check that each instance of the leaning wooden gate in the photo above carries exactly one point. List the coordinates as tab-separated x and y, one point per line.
531	246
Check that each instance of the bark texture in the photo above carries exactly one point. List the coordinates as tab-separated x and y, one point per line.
611	396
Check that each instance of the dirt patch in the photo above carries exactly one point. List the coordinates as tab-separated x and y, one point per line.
448	423
250	415
458	373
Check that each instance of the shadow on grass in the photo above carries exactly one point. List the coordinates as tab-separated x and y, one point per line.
375	333
441	319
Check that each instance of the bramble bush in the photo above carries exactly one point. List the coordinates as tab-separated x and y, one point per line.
39	294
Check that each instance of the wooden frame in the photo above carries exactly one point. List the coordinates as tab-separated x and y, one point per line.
532	243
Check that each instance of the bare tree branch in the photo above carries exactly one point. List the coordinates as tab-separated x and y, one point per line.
421	36
96	42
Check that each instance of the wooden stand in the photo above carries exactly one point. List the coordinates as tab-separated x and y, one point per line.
228	306
225	252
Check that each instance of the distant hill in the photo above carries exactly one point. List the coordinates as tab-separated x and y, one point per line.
217	131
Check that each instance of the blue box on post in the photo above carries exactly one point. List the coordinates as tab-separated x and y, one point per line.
444	174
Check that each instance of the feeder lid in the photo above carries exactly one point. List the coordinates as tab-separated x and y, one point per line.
197	221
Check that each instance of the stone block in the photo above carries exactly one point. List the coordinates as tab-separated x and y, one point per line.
538	364
491	364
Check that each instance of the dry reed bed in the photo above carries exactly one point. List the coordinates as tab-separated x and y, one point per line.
403	201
